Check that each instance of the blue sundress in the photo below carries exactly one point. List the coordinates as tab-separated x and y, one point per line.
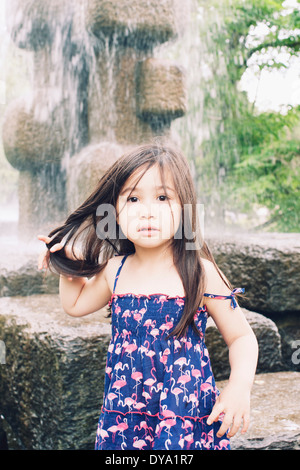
159	391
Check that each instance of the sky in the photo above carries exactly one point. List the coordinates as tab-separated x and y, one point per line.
273	89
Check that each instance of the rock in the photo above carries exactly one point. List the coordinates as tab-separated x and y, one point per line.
275	413
51	386
269	343
19	273
266	264
161	90
142	22
87	167
34	130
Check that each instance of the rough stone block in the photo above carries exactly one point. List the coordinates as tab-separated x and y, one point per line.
145	22
266	264
34	131
87	167
51	386
161	90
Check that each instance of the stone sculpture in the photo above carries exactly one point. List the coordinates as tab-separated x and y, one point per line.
97	90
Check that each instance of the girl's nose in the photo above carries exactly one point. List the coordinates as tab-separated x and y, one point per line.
147	211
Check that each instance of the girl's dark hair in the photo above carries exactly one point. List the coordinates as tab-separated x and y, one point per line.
81	227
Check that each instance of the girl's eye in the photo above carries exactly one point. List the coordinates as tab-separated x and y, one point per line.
163	198
132	199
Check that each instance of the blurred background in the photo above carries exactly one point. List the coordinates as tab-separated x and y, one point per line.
241	127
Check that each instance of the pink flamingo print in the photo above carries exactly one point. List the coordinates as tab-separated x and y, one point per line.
151	354
182	361
164	355
168	424
177	345
125	315
167	413
120	366
187	424
166	326
196	373
154	333
139	315
137	376
138	406
113	429
103	434
158	388
118	384
206	388
149	382
139	443
111	396
223	444
129	401
122	426
193	398
179	302
130	349
117	309
207	439
161	300
143	425
189	439
181	441
149	323
183	379
147	396
176	391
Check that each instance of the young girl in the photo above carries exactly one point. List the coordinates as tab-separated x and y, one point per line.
161	286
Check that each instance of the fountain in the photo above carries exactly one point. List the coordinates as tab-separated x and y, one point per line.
99	87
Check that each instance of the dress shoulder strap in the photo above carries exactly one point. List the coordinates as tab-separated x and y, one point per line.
233	302
118	272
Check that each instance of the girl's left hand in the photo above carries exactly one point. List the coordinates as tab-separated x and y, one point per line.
234	402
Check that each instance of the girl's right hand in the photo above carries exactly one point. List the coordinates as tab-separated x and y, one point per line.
43	261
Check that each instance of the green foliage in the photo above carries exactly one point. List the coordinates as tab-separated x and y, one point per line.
248	158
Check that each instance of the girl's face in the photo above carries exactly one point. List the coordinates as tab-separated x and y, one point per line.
149	215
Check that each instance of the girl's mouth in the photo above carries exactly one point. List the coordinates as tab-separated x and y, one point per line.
148	230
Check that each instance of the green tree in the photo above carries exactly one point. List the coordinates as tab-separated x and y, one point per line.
245	159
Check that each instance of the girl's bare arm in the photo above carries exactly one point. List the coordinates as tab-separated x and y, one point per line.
234	400
79	296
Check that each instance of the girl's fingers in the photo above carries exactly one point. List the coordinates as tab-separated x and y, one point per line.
246	420
225	425
214	415
56	247
43	257
235	426
44	238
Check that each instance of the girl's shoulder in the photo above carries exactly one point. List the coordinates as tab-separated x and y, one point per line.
214	279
